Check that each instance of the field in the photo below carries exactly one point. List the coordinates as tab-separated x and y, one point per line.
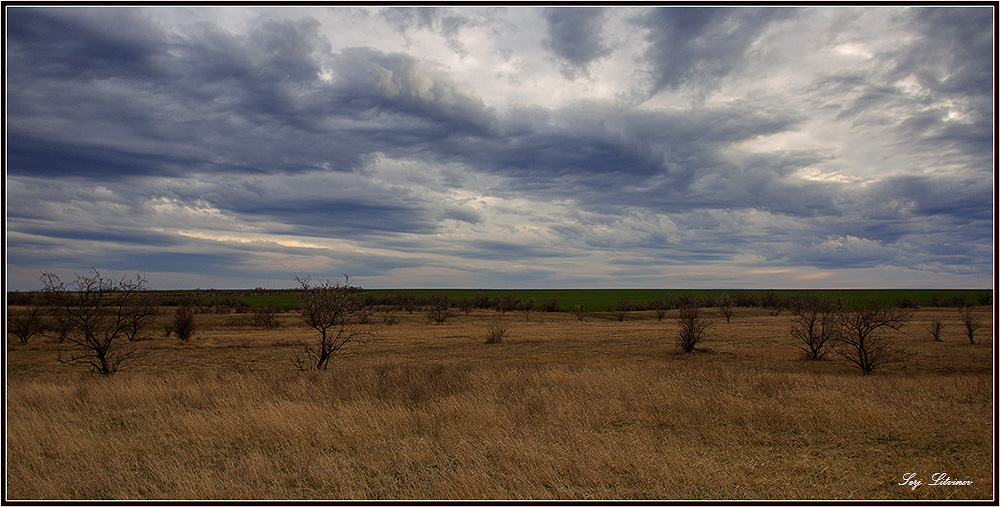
562	409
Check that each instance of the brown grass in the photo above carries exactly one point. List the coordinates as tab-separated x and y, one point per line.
561	409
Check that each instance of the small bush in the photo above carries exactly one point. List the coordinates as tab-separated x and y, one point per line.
265	316
620	312
184	323
553	305
440	310
970	321
692	328
497	330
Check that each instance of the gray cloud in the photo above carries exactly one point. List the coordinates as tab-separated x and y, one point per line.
574	35
162	147
697	46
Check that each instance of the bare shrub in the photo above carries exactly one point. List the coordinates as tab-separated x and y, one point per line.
97	312
660	307
25	323
440	309
725	304
389	316
497	330
814	325
552	305
506	303
984	297
332	309
183	324
692	329
935	329
527	307
620	311
581	312
864	338
265	316
970	321
773	302
466	305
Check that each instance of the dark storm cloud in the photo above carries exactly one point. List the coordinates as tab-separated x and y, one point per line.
82	44
700	45
574	35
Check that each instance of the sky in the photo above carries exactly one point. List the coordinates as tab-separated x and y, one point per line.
502	146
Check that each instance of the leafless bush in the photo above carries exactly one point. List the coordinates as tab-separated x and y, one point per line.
332	310
580	312
970	321
773	302
98	312
692	329
984	297
466	305
620	311
864	339
814	325
935	329
440	309
527	307
184	323
660	307
265	316
552	306
497	330
506	303
389	316
24	324
725	304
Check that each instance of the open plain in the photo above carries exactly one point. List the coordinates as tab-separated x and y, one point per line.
561	409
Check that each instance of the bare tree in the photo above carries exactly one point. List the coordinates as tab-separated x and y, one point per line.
620	311
773	302
332	309
580	311
970	321
692	328
440	309
528	306
660	307
864	338
265	316
98	311
935	329
725	303
814	325
25	323
507	303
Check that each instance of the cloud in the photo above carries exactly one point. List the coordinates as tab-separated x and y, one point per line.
574	35
310	141
697	46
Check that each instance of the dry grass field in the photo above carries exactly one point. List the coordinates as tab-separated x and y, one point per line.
562	409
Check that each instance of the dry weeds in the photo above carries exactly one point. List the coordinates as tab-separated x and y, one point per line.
562	409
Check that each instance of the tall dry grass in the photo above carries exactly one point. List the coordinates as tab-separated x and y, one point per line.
560	410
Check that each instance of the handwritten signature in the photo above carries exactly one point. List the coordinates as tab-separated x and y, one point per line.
938	479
